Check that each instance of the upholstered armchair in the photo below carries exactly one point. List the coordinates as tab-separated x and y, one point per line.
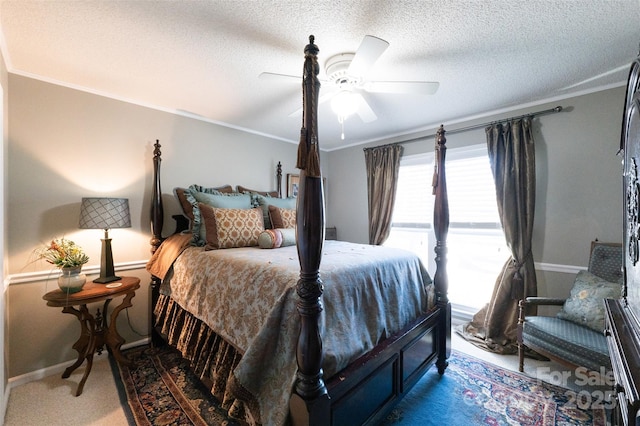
575	337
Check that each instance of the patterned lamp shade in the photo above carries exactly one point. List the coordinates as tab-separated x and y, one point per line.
104	213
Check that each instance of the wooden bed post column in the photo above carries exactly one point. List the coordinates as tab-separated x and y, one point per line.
157	219
279	179
157	210
310	403
441	228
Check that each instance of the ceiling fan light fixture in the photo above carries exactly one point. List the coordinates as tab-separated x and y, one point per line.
344	104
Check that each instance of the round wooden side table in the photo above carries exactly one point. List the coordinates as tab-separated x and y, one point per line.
95	331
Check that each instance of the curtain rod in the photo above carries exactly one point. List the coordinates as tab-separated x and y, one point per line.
478	126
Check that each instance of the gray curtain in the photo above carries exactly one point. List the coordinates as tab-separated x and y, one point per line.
383	164
512	157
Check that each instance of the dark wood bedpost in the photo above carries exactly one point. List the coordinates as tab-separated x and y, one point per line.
310	403
157	219
279	179
157	210
441	228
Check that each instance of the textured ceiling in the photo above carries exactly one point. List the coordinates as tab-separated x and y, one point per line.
203	58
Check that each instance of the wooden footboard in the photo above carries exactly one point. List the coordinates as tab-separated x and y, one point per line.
366	391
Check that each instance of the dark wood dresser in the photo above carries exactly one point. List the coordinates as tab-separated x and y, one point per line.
622	325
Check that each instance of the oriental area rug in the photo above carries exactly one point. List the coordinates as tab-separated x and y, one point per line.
161	390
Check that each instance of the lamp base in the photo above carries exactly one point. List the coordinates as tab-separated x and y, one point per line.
104	280
107	273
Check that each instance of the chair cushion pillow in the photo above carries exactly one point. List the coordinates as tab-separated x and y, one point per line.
585	305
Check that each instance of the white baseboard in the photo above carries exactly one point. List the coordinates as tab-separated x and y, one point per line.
553	267
59	368
5	402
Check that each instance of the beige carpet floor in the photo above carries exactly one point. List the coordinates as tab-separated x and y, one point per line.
51	401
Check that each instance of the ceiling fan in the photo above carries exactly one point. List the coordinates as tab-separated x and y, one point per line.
346	73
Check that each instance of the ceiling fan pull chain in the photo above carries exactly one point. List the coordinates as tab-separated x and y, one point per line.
341	121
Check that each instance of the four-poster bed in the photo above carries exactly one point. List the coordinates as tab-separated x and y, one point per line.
345	329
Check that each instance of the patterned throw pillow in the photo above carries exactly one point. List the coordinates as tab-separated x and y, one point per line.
585	305
266	202
282	218
231	200
274	238
231	228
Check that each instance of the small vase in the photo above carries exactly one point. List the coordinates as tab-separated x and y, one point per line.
71	280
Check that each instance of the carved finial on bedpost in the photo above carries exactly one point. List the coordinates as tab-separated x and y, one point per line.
308	151
311	48
279	179
156	151
440	147
441	228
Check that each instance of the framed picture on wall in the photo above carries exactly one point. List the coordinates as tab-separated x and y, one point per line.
293	181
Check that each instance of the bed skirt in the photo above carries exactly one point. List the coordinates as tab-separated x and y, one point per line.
212	358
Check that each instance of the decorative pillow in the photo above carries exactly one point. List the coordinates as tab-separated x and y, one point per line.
282	218
274	238
585	305
231	200
606	261
187	207
265	202
230	228
274	194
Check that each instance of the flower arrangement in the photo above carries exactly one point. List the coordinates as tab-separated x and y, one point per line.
63	253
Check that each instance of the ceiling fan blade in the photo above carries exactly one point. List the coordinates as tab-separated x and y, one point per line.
323	98
367	54
417	87
364	110
272	76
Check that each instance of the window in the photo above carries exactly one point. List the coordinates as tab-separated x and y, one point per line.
476	247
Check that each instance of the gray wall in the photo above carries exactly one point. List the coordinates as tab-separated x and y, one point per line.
4	324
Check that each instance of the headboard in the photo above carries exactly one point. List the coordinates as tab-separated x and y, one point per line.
182	222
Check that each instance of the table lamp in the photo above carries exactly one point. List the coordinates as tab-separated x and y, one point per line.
105	213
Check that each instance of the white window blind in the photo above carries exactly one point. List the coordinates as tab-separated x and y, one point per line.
472	195
413	196
476	247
